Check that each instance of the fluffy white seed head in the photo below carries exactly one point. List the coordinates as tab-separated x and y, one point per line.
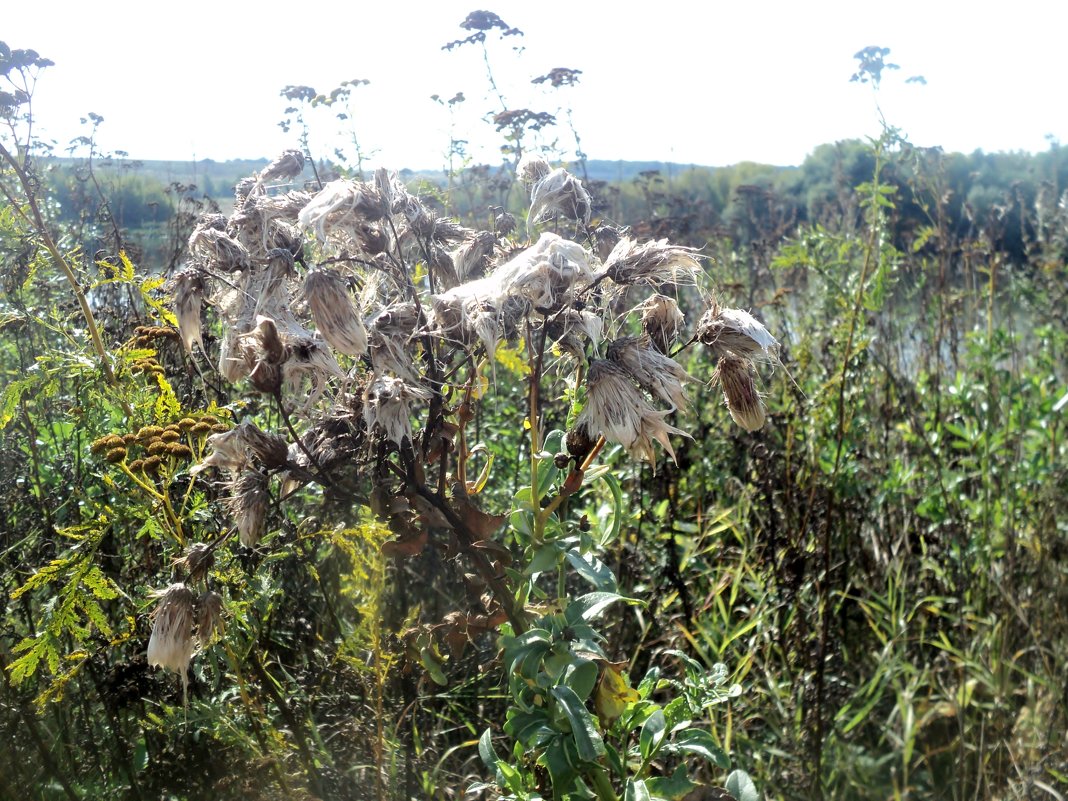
734	331
616	409
171	643
335	315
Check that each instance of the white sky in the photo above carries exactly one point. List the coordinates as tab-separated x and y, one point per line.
692	81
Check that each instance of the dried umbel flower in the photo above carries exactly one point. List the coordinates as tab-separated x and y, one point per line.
559	194
387	407
209	610
662	321
658	374
249	498
284	168
188	298
334	313
734	331
651	263
171	643
616	409
197	561
532	168
737	377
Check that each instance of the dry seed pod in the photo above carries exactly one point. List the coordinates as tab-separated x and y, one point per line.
735	331
658	374
249	497
171	644
651	263
197	561
334	313
737	377
662	321
209	617
616	409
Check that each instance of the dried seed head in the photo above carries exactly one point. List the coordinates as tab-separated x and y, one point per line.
472	257
616	409
532	168
737	378
504	223
335	315
662	321
188	291
209	617
579	443
734	331
249	497
284	168
171	643
342	204
559	194
652	263
387	407
658	374
218	247
197	561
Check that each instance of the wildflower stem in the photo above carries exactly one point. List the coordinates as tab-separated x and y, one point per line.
38	224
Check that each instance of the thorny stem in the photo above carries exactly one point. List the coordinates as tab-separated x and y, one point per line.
38	224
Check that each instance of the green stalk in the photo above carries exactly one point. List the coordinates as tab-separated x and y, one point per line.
38	224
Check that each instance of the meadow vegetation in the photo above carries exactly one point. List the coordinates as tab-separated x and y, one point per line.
738	483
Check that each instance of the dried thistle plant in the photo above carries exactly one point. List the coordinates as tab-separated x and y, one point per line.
171	643
737	378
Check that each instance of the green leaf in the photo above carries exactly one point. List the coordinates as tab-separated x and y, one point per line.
589	606
702	743
486	752
581	676
593	570
636	791
617	516
673	788
741	786
652	735
583	729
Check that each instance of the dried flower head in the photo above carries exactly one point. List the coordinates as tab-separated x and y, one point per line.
387	407
337	319
616	409
209	610
341	204
249	498
171	643
220	248
734	331
188	288
737	377
284	168
651	263
472	257
197	561
662	321
532	168
559	194
658	374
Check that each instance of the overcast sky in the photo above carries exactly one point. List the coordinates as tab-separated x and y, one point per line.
707	82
